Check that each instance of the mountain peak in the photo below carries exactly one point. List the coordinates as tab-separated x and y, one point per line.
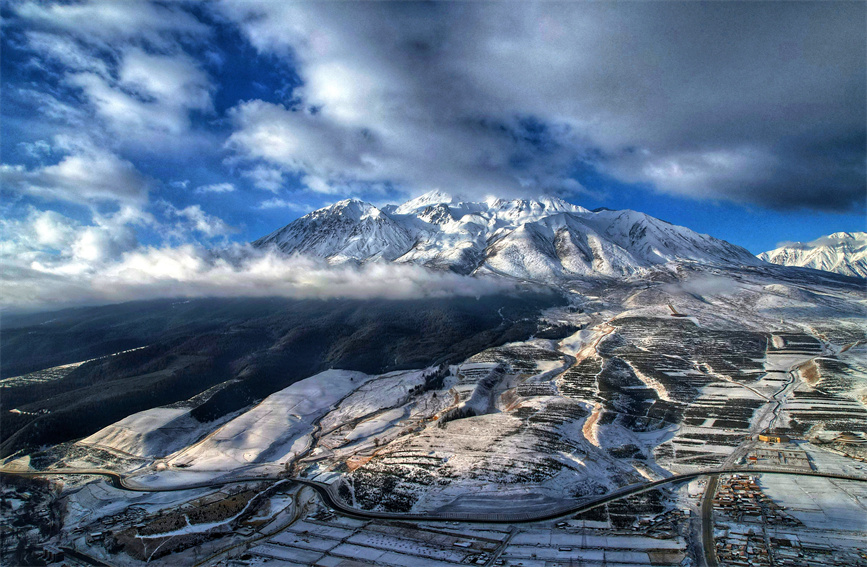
862	236
434	197
353	208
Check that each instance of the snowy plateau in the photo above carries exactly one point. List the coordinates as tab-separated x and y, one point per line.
679	402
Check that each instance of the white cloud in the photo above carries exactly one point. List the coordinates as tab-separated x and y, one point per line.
277	203
267	178
215	188
131	116
696	173
66	51
174	80
50	241
72	117
198	220
90	176
38	235
188	271
128	61
52	229
38	149
502	98
111	22
333	157
95	244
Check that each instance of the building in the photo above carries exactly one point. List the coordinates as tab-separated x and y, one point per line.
52	554
770	437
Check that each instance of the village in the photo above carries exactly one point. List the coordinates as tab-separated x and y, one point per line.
753	530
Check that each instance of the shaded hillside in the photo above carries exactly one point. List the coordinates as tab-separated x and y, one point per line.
245	349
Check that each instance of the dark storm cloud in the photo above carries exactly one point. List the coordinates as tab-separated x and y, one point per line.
749	102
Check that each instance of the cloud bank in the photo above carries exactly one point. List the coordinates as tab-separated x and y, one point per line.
85	176
748	102
237	271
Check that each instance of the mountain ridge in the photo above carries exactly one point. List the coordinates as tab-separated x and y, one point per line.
538	239
841	252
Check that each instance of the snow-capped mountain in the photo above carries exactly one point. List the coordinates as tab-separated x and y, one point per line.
841	252
347	230
529	238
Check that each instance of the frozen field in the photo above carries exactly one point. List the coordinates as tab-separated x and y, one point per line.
820	503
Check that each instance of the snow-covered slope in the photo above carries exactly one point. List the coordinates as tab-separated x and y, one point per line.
528	238
423	201
273	431
608	242
154	432
841	252
347	230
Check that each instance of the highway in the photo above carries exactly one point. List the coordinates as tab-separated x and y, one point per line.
707	522
326	492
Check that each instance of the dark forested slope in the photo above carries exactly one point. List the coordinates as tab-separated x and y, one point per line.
241	349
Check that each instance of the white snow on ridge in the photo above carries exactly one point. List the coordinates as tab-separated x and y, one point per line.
383	391
841	252
373	426
276	429
540	238
151	433
347	230
430	198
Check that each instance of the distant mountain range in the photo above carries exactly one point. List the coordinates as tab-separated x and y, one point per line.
540	239
841	252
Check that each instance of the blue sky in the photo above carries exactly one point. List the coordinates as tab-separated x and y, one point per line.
150	125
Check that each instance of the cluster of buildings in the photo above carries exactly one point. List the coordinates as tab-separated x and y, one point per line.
24	516
743	549
772	457
754	531
748	546
740	498
661	525
791	552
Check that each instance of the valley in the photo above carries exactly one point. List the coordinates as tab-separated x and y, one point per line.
627	405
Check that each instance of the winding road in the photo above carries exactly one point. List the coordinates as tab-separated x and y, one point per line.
326	492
